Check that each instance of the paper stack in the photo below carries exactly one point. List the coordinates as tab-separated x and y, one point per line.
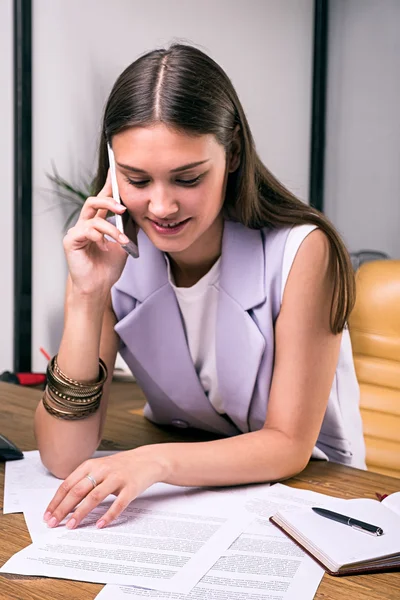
171	543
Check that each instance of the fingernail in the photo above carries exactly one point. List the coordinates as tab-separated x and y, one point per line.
52	522
122	238
120	206
71	524
46	516
100	524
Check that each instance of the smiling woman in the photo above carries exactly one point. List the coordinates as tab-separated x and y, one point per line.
233	318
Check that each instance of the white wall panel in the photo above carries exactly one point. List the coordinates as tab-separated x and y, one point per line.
362	184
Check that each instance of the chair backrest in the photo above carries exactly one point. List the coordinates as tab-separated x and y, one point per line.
362	256
375	334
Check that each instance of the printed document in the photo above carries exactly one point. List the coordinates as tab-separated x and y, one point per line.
165	540
29	473
262	564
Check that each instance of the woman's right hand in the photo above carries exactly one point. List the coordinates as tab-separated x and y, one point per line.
95	263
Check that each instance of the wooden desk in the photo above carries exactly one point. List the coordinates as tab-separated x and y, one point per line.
126	428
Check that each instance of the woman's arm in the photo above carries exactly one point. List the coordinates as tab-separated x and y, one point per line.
88	332
306	354
94	265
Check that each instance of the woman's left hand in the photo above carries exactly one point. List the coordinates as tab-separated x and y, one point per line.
126	474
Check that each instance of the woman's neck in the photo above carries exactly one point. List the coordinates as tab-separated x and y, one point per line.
189	266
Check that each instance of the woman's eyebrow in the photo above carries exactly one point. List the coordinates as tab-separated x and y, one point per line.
189	166
177	170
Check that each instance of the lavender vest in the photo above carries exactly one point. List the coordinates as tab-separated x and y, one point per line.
154	346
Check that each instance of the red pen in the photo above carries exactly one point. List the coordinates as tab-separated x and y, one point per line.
34	379
45	354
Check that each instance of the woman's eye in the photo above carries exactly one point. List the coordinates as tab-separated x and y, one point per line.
188	182
137	183
140	183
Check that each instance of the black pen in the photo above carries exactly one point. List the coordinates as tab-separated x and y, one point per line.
354	523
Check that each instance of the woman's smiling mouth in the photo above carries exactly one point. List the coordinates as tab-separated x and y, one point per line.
168	227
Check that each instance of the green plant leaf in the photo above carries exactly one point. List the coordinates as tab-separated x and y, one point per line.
71	218
76	196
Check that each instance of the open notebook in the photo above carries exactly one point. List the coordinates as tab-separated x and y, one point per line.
340	549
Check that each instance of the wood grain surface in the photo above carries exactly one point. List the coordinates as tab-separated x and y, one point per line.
126	428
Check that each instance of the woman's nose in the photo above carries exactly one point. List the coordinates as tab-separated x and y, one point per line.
161	205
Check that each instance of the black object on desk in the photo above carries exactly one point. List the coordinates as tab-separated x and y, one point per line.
354	523
8	450
9	377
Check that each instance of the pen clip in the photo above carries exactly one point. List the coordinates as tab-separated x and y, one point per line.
378	531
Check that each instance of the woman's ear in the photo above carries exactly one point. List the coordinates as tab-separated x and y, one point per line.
235	151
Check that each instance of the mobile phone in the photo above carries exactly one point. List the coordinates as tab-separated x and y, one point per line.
8	450
124	223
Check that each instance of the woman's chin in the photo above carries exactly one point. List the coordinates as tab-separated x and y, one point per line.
168	241
170	244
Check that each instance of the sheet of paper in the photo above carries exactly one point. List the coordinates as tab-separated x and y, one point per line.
166	540
161	493
22	475
292	498
262	564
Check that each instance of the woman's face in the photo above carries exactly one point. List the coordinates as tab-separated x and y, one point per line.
172	184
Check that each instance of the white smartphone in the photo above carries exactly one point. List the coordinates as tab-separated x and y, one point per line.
124	223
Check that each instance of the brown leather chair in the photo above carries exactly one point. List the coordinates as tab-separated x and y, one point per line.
375	334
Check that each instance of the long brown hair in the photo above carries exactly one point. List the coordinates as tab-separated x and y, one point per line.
185	89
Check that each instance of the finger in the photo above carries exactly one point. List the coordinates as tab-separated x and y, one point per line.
102	213
93	231
75	495
93	499
66	487
95	203
107	188
116	508
93	235
107	228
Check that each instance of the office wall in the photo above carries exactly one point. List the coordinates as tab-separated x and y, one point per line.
362	191
81	47
6	178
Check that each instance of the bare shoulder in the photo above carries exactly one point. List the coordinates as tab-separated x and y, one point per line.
312	263
309	288
315	251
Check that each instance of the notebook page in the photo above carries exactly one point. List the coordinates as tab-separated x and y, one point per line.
342	544
393	502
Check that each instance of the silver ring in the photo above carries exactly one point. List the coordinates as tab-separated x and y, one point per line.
91	479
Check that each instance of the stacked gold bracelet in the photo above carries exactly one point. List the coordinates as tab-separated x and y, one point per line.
72	400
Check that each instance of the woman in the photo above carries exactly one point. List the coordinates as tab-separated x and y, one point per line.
233	318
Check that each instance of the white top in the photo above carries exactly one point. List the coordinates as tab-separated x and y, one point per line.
198	306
